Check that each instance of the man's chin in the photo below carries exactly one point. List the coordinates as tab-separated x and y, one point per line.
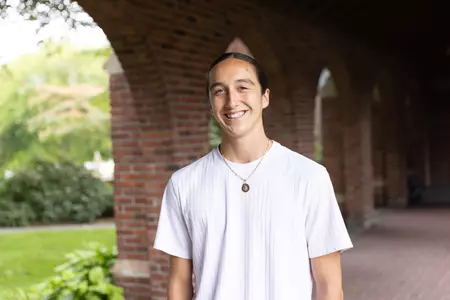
236	133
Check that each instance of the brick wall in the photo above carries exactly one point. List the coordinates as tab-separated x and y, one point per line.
160	113
333	151
440	141
358	170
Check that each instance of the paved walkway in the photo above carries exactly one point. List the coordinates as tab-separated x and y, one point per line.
405	256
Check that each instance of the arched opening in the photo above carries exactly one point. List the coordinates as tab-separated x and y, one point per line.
328	139
56	164
397	137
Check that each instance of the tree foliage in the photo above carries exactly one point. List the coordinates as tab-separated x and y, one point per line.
54	104
44	11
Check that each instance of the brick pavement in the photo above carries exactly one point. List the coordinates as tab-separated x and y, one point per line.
406	255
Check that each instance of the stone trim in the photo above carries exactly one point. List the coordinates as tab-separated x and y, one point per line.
131	268
113	65
340	197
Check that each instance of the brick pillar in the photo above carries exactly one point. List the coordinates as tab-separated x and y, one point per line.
379	131
396	185
332	141
303	106
189	117
395	155
130	195
358	159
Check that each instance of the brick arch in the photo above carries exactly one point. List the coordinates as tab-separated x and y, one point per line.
303	62
136	51
140	60
144	131
261	50
355	81
340	75
332	105
138	54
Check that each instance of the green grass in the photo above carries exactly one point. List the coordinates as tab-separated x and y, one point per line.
29	258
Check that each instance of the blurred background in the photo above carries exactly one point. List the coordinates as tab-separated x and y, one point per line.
101	101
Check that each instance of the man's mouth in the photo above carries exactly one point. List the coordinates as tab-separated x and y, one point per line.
235	115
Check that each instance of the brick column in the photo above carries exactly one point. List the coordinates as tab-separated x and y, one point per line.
396	172
395	154
303	106
332	141
379	130
189	118
130	195
358	159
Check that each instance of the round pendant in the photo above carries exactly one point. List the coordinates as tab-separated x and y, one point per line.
245	187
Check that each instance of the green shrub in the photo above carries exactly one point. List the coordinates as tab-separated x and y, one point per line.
85	276
47	192
15	214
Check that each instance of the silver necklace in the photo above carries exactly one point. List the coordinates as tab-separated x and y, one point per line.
245	186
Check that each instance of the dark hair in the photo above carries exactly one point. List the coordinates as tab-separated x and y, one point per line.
259	71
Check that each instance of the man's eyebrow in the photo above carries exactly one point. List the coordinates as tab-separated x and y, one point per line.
246	81
214	84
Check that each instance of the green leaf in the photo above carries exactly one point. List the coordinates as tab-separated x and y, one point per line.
83	287
96	275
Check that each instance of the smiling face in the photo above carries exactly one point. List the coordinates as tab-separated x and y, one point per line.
236	98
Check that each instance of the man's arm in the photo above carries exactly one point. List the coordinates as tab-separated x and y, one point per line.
180	280
328	276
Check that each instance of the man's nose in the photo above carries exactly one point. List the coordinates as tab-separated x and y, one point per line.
232	98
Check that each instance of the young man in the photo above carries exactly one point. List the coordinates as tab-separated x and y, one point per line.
252	220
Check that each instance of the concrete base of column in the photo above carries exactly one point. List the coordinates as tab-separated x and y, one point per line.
134	277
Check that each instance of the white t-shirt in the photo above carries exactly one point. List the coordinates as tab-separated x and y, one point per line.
255	245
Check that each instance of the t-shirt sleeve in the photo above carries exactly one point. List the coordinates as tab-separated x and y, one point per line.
325	228
172	236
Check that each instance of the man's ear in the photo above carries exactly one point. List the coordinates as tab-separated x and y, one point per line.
266	98
210	107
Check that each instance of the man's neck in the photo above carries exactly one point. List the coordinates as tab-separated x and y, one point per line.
245	149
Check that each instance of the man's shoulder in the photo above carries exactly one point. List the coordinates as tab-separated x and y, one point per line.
301	164
194	169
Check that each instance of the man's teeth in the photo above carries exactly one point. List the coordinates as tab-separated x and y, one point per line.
236	115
